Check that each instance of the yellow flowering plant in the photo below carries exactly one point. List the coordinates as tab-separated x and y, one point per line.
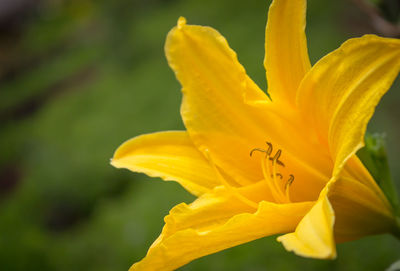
263	165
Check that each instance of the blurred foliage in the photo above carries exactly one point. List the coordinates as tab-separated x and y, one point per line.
390	9
374	157
80	77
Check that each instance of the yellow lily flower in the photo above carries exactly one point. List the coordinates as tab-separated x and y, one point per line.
302	178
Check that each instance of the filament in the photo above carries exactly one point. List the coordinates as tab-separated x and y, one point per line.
280	193
274	181
267	177
287	187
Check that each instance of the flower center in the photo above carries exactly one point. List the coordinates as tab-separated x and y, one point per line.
280	189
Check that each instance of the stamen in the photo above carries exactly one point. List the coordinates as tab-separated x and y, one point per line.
257	149
268	152
279	193
234	191
276	158
272	185
276	184
287	186
269	147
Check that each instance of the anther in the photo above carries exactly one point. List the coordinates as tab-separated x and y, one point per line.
288	183
268	151
260	150
269	147
277	174
276	158
291	179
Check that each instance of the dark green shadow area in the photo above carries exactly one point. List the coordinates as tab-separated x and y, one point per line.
77	78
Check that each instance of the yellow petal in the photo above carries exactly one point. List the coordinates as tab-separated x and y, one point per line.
349	207
338	97
170	156
346	210
354	169
214	222
286	60
227	116
218	96
314	235
341	91
359	210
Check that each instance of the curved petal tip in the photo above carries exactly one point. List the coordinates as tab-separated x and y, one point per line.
181	22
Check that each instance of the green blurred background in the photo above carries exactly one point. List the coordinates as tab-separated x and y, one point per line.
77	78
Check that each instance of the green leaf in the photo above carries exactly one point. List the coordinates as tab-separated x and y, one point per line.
374	157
